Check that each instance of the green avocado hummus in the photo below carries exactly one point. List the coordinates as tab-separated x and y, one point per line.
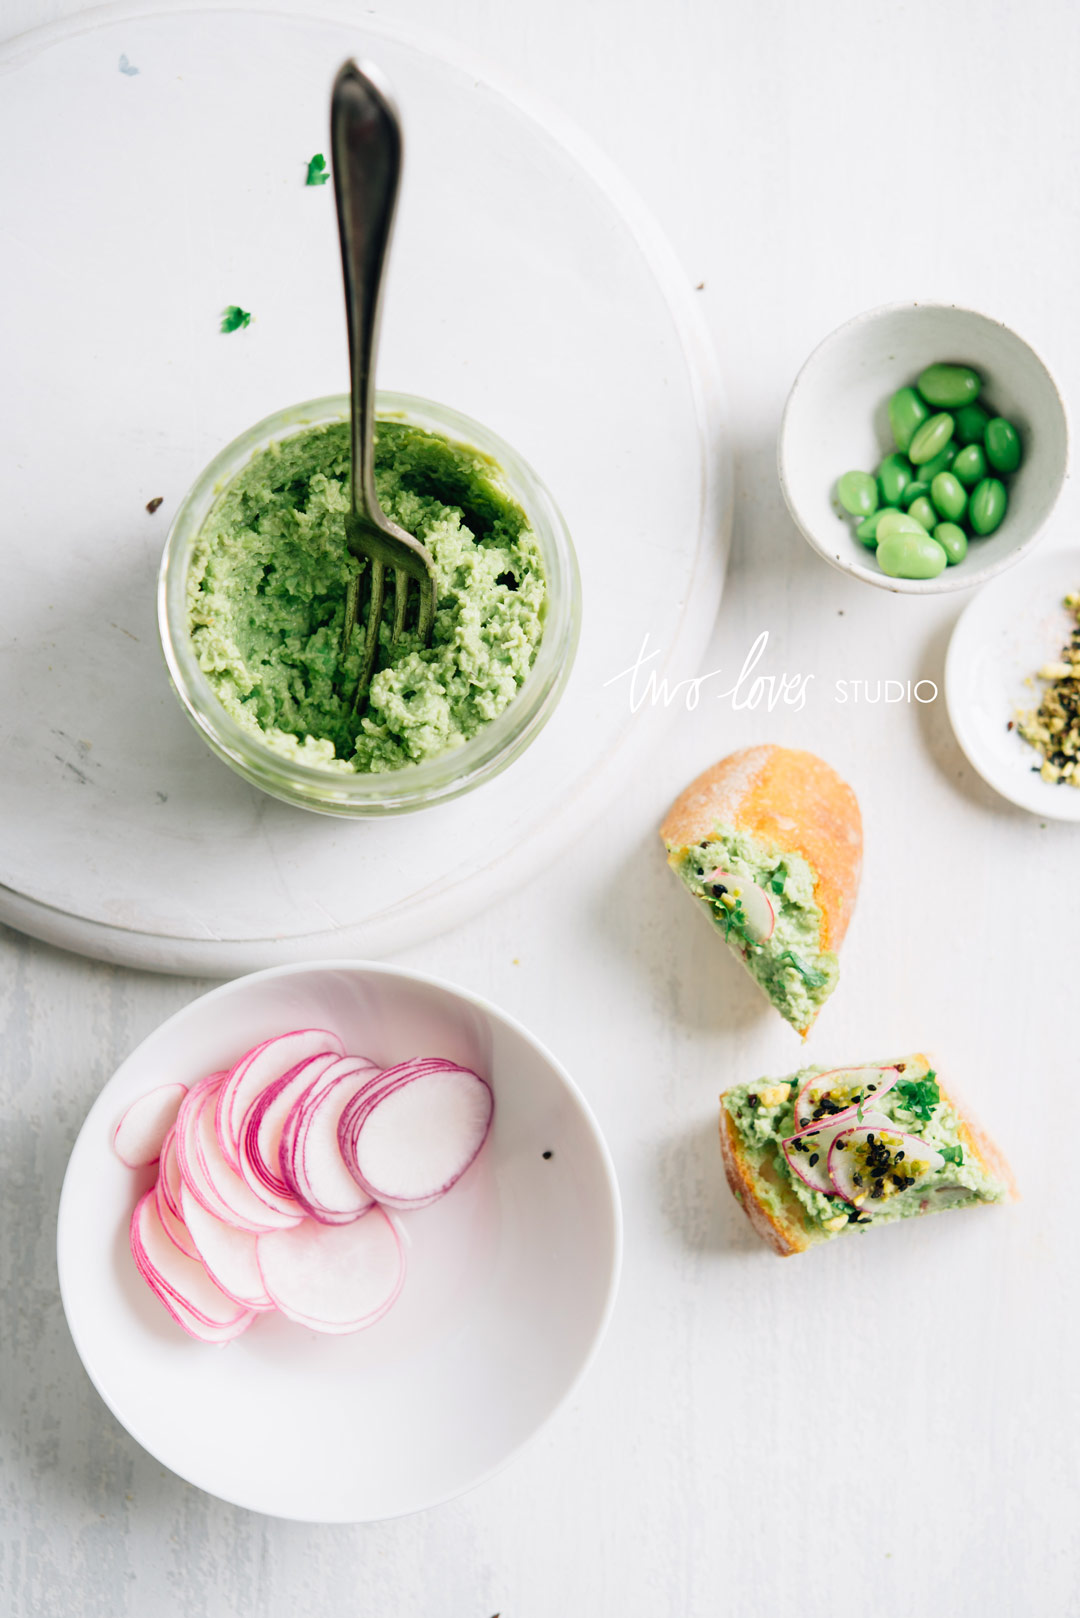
790	966
764	1115
266	600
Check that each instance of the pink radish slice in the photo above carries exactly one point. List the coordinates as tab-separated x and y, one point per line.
141	1132
419	1133
334	1278
182	1283
260	1136
211	1180
259	1068
852	1153
758	909
227	1253
171	1219
840	1086
311	1160
814	1143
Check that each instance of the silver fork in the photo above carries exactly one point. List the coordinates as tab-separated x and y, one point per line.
366	150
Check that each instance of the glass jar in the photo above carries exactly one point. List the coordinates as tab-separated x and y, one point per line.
414	786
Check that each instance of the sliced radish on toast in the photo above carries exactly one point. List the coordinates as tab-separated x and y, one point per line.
869	1167
758	910
807	1153
825	1095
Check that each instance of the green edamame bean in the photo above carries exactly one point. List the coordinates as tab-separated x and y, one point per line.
897	522
912	556
931	438
923	513
987	505
858	493
971	423
947	387
907	412
867	529
949	496
970	465
1002	445
952	540
893	476
914	491
940	463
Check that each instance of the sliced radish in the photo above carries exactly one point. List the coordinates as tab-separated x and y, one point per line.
167	1196
227	1252
334	1278
412	1132
825	1095
260	1135
257	1069
141	1132
759	912
212	1180
182	1283
311	1161
807	1153
866	1161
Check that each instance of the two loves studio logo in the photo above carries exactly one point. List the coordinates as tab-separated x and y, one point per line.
751	690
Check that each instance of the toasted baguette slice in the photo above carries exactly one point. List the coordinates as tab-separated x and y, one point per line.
791	1222
784	820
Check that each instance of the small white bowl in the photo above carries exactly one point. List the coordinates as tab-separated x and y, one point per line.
1001	640
510	1284
836	420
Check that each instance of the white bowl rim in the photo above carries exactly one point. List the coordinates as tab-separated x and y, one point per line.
478	1002
950	580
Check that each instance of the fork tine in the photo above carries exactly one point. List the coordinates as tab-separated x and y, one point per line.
401	598
371	635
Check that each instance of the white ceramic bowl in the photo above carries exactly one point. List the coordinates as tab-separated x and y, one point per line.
510	1285
836	420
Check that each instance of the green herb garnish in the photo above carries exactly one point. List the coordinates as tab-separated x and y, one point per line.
317	171
809	974
952	1154
779	877
234	317
919	1096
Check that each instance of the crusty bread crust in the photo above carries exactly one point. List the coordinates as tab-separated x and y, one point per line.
786	1231
786	797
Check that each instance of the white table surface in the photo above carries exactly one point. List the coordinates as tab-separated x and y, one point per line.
885	1427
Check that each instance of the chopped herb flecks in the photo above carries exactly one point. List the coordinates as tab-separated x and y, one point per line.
809	974
317	171
234	317
952	1154
919	1096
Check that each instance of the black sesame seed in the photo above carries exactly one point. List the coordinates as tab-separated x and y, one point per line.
753	1101
813	1158
546	1155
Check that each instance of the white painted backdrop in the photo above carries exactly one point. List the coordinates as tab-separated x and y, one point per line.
884	1428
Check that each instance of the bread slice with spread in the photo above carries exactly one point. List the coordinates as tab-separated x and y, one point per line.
831	1150
770	841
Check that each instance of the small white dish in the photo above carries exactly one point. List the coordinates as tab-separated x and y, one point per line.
1001	640
510	1286
836	420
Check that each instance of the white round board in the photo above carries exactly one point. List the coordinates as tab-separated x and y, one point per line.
162	179
1007	633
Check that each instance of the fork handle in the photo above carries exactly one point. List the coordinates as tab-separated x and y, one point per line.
366	148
